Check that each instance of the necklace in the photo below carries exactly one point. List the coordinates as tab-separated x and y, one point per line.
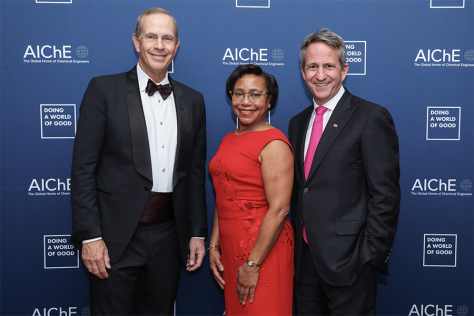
252	130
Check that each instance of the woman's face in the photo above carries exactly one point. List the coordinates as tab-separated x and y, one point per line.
251	114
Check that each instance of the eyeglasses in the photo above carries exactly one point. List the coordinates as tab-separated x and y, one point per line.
253	95
154	38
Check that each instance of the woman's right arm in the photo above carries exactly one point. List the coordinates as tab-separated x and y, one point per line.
215	252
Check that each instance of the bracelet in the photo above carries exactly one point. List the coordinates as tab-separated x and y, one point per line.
213	247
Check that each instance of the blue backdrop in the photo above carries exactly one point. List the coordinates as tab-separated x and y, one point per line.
415	57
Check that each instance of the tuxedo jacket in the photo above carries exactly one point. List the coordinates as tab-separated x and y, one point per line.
111	177
349	204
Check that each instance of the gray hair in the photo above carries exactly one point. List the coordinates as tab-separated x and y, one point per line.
138	27
327	37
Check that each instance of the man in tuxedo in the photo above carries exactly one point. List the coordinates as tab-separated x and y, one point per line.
346	192
138	178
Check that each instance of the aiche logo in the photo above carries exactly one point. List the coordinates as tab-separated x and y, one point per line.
53	311
444	187
82	51
437	310
438	57
462	310
55	54
431	310
256	56
51	186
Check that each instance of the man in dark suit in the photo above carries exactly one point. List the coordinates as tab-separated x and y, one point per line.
138	178
346	197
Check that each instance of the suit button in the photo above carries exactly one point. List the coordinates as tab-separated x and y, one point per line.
146	188
305	190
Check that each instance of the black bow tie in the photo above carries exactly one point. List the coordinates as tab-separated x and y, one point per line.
164	90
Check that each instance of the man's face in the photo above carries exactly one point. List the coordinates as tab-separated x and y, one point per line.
157	45
323	73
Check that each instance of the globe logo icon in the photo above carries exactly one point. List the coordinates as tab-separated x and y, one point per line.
85	311
82	51
462	310
465	185
278	54
469	55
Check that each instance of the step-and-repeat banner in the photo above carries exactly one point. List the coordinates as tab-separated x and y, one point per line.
415	57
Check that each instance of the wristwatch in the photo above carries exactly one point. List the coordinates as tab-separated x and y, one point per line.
253	264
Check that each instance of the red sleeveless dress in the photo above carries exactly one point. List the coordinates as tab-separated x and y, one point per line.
241	207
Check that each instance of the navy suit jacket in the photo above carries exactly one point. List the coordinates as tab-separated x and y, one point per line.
350	202
111	176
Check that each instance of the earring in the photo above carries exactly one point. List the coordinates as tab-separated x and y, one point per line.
269	116
237	123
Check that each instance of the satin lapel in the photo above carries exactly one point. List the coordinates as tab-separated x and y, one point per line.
301	136
342	113
138	131
184	133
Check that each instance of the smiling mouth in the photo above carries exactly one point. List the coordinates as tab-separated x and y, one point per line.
246	112
321	84
158	56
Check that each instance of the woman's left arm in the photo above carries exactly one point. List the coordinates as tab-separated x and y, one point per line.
277	173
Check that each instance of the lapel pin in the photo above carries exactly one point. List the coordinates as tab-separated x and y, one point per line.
335	125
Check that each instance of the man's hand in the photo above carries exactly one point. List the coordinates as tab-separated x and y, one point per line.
197	251
96	258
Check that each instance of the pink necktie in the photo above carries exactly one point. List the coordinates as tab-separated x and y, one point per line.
316	133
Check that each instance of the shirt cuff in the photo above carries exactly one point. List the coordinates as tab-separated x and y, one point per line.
85	241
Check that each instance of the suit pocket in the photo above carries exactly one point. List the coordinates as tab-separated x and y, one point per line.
105	192
350	227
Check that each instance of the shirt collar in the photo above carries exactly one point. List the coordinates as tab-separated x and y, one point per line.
331	104
143	79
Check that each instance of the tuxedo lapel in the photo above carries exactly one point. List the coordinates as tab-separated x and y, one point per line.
342	113
138	131
184	133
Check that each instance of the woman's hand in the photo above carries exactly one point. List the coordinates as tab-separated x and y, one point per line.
216	265
248	278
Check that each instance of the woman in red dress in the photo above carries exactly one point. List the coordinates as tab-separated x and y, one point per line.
252	243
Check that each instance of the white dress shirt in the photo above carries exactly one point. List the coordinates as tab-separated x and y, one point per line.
330	105
162	127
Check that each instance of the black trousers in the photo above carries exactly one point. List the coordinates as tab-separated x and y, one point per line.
145	279
315	297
